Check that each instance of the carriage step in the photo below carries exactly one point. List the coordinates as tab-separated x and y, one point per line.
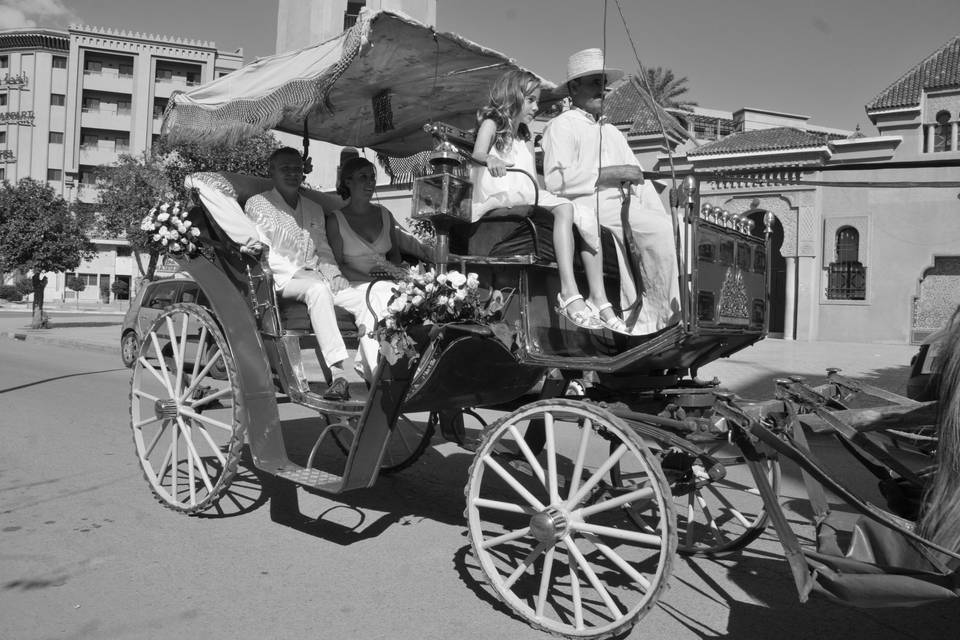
314	478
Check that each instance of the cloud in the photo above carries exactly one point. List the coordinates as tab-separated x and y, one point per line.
34	13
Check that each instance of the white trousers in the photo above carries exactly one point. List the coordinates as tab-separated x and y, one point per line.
320	301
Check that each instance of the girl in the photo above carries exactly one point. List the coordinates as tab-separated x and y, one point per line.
502	137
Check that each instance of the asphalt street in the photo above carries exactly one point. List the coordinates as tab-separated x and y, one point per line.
87	553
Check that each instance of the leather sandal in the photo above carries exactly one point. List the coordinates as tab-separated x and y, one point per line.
614	323
338	391
583	318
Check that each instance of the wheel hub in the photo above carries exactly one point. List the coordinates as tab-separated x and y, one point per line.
166	409
549	525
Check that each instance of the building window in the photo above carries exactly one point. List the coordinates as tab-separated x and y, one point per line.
56	137
3	99
941	132
57	99
3	173
59	62
846	276
55	175
4	62
3	137
352	13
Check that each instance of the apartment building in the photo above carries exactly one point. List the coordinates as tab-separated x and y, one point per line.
75	99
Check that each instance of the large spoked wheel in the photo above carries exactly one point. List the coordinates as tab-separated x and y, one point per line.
719	508
187	424
549	530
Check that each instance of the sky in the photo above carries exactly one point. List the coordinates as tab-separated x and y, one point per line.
820	58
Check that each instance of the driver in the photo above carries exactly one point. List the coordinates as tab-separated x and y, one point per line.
304	268
576	144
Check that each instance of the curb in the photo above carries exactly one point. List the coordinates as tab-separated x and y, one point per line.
60	342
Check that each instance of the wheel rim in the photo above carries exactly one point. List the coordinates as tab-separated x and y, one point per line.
549	531
129	348
409	440
187	426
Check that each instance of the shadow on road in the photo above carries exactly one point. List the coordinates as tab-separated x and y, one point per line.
68	375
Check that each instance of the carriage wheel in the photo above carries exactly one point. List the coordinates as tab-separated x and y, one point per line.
548	529
409	439
187	425
715	517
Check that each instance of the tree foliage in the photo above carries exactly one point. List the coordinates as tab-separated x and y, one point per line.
39	233
666	89
130	188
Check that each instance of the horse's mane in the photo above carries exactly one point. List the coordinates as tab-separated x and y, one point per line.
940	515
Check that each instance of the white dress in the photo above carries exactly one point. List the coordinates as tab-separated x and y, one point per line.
515	189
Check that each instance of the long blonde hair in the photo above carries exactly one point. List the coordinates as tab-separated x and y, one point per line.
505	103
940	513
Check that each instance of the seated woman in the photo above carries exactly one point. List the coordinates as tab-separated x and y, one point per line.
364	236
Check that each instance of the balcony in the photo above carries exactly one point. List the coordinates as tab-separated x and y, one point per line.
106	117
164	87
102	152
108	80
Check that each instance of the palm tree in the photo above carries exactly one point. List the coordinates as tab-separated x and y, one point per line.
666	89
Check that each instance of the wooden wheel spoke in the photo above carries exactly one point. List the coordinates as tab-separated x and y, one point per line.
200	344
163	364
645	493
526	562
618	560
165	462
527	453
575	596
506	537
644	539
502	506
195	381
143	395
196	460
213	445
582	446
592	577
732	510
181	353
597	476
156	438
226	391
510	480
149	367
545	580
551	446
199	417
708	517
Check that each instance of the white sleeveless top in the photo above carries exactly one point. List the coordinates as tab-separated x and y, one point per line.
360	255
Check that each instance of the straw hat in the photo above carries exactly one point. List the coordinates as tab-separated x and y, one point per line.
590	62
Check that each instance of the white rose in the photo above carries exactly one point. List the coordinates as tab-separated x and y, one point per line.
399	304
163	217
175	246
461	294
417	300
164	232
195	232
441	301
390	323
430	288
187	224
163	241
456	279
164	206
156	237
441	278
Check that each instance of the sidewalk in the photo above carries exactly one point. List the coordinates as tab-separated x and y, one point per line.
750	372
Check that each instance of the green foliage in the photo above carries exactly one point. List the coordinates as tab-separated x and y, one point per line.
9	292
76	284
130	188
120	288
24	286
38	232
666	89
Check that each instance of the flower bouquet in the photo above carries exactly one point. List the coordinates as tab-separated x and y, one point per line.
425	297
170	229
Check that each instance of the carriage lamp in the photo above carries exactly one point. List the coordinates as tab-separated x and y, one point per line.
768	219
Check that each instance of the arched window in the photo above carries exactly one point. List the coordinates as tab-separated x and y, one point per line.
846	276
941	132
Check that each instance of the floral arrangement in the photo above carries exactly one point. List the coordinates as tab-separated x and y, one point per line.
425	297
169	228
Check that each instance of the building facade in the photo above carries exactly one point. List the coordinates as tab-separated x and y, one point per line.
866	229
73	100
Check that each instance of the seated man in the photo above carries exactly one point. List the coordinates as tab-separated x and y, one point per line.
304	268
576	144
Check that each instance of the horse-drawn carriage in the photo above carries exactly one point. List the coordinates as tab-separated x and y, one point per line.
609	454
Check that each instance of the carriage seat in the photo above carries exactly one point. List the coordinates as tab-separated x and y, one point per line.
522	231
223	195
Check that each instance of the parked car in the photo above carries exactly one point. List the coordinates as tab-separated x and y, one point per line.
925	365
148	304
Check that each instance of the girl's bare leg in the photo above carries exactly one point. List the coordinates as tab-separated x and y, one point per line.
563	246
593	265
